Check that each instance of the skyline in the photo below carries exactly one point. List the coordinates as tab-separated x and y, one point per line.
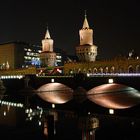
115	25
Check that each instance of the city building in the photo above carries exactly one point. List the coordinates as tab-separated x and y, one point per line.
60	56
19	54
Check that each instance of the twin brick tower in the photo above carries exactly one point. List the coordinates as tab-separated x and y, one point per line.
86	51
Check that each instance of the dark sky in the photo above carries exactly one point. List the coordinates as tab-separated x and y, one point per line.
116	24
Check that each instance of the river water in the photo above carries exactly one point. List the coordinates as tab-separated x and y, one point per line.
24	115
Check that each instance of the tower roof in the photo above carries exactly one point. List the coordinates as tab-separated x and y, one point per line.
47	35
85	24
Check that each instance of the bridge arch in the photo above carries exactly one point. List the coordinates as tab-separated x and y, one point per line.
112	69
95	70
79	70
106	70
101	70
84	70
130	69
120	69
89	70
137	68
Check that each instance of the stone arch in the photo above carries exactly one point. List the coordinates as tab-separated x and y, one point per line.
94	70
101	70
79	70
130	69
89	70
120	69
138	69
84	70
106	70
112	69
76	70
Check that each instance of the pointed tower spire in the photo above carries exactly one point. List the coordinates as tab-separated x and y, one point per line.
47	35
85	24
47	56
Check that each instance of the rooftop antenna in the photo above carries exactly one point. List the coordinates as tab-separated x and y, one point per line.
85	13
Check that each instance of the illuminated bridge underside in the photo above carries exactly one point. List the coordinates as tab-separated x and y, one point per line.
56	93
115	96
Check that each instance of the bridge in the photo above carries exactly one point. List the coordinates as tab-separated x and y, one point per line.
87	81
17	81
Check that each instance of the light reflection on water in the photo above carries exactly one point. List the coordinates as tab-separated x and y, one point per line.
26	114
18	114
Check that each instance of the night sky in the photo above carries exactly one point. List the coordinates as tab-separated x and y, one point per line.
116	24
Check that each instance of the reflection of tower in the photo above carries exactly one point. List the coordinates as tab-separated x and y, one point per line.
86	51
88	126
49	127
47	56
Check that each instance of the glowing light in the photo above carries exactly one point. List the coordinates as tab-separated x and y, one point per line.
53	105
11	104
113	74
60	71
12	77
4	113
52	80
110	81
111	111
88	113
39	123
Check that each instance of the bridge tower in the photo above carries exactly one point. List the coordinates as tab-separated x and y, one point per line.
47	56
86	51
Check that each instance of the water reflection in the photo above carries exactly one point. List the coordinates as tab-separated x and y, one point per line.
17	117
56	93
2	89
38	120
116	96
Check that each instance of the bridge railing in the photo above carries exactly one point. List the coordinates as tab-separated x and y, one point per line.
113	74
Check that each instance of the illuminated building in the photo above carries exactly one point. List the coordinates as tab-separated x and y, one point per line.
87	63
31	56
86	51
18	55
47	56
60	57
